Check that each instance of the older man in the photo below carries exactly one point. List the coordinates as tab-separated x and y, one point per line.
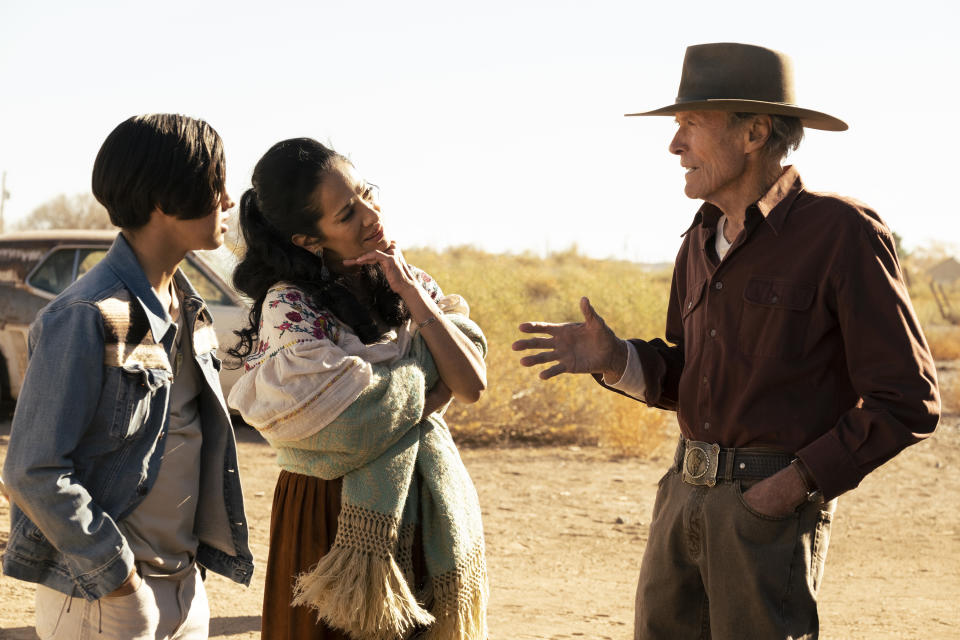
793	359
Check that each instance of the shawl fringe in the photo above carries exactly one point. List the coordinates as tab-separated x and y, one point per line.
362	593
460	600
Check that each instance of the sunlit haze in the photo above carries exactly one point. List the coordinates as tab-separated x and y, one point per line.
498	124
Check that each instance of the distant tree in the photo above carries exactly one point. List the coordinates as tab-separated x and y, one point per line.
902	251
80	211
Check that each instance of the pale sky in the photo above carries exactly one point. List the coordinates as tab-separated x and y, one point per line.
498	124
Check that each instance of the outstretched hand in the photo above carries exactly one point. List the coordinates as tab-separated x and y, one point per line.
577	347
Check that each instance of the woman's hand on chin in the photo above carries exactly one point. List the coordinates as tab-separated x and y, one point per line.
399	275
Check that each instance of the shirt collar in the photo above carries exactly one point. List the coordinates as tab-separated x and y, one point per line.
774	205
187	292
778	200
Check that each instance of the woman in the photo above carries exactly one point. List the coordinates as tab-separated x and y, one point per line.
350	357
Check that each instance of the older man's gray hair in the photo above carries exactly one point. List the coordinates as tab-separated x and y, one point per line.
786	132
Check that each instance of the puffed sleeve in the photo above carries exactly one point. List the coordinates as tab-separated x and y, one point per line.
452	303
298	380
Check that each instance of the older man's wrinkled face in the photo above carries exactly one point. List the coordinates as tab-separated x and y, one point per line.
712	150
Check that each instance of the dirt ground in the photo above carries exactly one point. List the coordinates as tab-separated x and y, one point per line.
566	528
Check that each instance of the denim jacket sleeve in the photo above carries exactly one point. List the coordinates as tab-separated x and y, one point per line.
55	409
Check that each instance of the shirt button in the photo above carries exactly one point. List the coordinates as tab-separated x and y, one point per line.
718	285
706	426
704	379
713	333
774	299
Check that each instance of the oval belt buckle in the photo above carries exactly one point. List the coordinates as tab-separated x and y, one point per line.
700	462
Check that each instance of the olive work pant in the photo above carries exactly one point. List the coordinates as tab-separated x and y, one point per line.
715	569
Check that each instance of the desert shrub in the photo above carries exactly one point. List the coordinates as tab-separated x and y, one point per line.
633	429
950	394
518	407
944	342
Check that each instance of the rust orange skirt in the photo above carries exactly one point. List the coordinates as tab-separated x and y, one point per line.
303	525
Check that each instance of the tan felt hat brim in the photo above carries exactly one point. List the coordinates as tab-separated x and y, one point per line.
808	117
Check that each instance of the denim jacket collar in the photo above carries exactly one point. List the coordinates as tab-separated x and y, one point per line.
188	294
123	262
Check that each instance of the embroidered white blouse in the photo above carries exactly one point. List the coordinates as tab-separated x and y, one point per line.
308	366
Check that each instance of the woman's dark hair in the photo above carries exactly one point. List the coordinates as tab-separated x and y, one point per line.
281	204
160	160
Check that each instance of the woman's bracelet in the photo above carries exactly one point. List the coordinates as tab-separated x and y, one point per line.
421	325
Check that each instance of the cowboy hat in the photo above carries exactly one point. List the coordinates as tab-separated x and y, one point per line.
728	76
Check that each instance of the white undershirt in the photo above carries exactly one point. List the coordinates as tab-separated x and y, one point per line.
721	244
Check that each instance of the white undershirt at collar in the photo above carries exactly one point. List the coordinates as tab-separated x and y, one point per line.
721	244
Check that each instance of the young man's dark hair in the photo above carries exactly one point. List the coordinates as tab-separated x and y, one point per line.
166	161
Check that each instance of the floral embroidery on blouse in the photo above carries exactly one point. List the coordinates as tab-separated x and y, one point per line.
298	322
429	284
295	320
299	317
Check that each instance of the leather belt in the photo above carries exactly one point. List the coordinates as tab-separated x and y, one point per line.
703	463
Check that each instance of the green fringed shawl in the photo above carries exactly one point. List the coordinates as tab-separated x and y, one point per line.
396	467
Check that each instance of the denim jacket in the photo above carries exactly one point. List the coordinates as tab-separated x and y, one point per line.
89	431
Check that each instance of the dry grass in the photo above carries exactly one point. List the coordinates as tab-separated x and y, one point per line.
949	376
635	430
950	398
518	407
944	342
942	335
943	338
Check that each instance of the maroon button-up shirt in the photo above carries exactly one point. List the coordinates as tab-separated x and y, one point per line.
802	338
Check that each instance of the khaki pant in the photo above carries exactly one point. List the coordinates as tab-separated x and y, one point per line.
715	569
162	609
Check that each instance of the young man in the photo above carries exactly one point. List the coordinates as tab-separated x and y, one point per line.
793	359
122	466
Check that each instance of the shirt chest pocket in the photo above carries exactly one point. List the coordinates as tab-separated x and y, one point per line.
775	317
136	398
